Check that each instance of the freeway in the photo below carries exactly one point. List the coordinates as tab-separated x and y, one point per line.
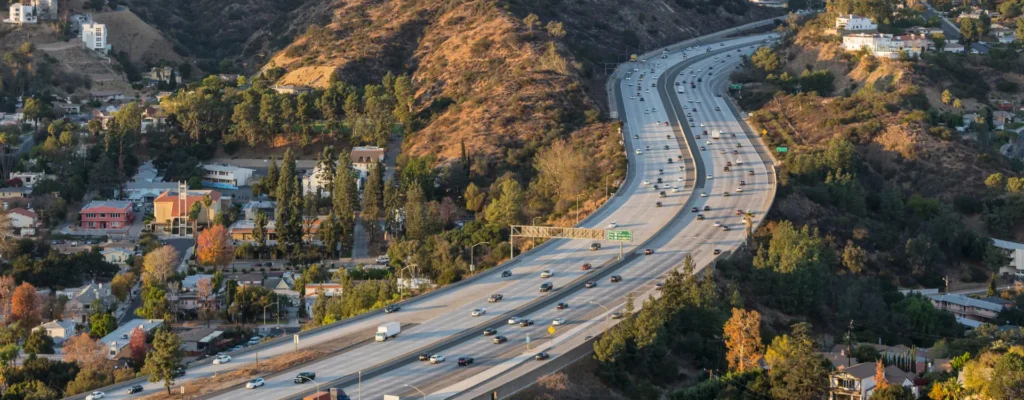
683	236
634	209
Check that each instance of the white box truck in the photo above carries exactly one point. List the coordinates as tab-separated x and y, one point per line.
388	331
716	134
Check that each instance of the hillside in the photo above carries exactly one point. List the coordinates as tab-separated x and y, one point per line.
129	33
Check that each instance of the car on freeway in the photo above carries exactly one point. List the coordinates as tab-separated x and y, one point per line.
478	312
221	359
670	160
304	377
700	217
392	308
490	331
558	321
545	273
703	194
648	148
424	357
525	322
657	204
494	298
743	183
506	274
707	208
514	320
702	148
638	152
636	136
615	278
662	194
590	284
751	172
562	306
726	194
694	209
594	247
95	395
436	359
617	315
541	356
586	267
464	361
658	286
648	252
710	177
134	389
500	339
725	227
717	252
254	383
546	287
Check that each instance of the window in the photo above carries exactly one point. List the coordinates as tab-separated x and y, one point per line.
848	384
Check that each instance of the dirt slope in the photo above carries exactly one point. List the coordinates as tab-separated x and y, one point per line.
145	44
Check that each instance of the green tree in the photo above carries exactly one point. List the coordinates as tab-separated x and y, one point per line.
766	60
506	208
345	199
795	264
259	229
1007	377
164	358
970	31
475	198
795	370
893	392
154	303
418	224
38	342
101	324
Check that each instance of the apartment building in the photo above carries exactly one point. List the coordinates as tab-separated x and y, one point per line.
226	176
109	214
46	9
21	14
885	45
94	35
968	310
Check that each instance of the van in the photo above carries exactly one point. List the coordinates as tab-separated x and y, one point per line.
546	287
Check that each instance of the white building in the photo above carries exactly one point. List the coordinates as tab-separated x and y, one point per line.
250	209
1015	251
117	255
852	22
363	158
25	221
886	45
95	37
226	176
58	330
29	179
146	192
21	14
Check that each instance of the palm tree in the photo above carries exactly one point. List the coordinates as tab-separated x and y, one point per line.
748	222
207	202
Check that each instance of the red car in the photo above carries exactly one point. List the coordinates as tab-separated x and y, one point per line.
586	267
739	212
648	252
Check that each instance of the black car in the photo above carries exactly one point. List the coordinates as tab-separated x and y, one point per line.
662	194
707	208
700	217
562	306
659	179
500	339
666	147
615	278
717	252
506	274
590	284
658	204
595	246
546	287
392	308
694	209
495	298
541	356
304	377
424	357
464	361
751	172
526	322
135	389
490	331
669	160
180	372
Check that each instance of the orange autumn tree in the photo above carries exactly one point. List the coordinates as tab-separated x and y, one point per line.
880	381
743	340
26	305
85	351
214	246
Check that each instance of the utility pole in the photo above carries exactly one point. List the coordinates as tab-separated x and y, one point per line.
946	280
849	341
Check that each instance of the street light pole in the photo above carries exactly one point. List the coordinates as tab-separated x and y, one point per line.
417	389
472	266
278	304
607	320
578	208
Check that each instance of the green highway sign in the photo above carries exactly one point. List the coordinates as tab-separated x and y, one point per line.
782	149
736	86
622	236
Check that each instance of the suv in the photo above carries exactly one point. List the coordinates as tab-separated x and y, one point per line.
304	377
595	246
546	287
392	308
616	278
495	298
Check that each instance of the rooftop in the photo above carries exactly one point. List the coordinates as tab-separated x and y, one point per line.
120	336
965	301
22	211
112	204
226	168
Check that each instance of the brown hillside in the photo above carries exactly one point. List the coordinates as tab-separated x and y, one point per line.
128	33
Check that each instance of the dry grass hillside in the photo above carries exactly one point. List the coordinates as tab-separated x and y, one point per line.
129	33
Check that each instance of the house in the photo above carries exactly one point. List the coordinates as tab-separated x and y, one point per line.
363	158
1015	251
171	209
968	310
14	192
80	301
117	255
153	117
23	220
63	108
59	330
290	89
852	22
190	283
162	74
886	45
117	340
147	173
46	9
1002	118
94	35
201	340
21	14
107	214
226	176
248	279
106	95
242	230
29	179
146	192
250	209
922	30
953	47
320	289
857	382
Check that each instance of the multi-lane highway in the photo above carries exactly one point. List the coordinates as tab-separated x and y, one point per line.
442	323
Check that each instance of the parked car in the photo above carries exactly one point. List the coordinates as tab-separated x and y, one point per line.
135	389
304	377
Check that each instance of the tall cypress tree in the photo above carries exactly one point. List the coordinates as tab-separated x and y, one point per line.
285	196
373	194
270	181
345	199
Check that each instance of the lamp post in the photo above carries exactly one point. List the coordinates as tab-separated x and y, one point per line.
578	208
278	305
417	389
311	380
607	320
399	275
472	266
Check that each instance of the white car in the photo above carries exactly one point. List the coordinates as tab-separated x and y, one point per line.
701	124
647	90
739	162
689	100
254	383
675	189
514	320
698	100
221	359
436	359
558	321
739	189
95	395
703	194
478	312
647	181
613	225
546	273
710	177
718	223
638	152
680	179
